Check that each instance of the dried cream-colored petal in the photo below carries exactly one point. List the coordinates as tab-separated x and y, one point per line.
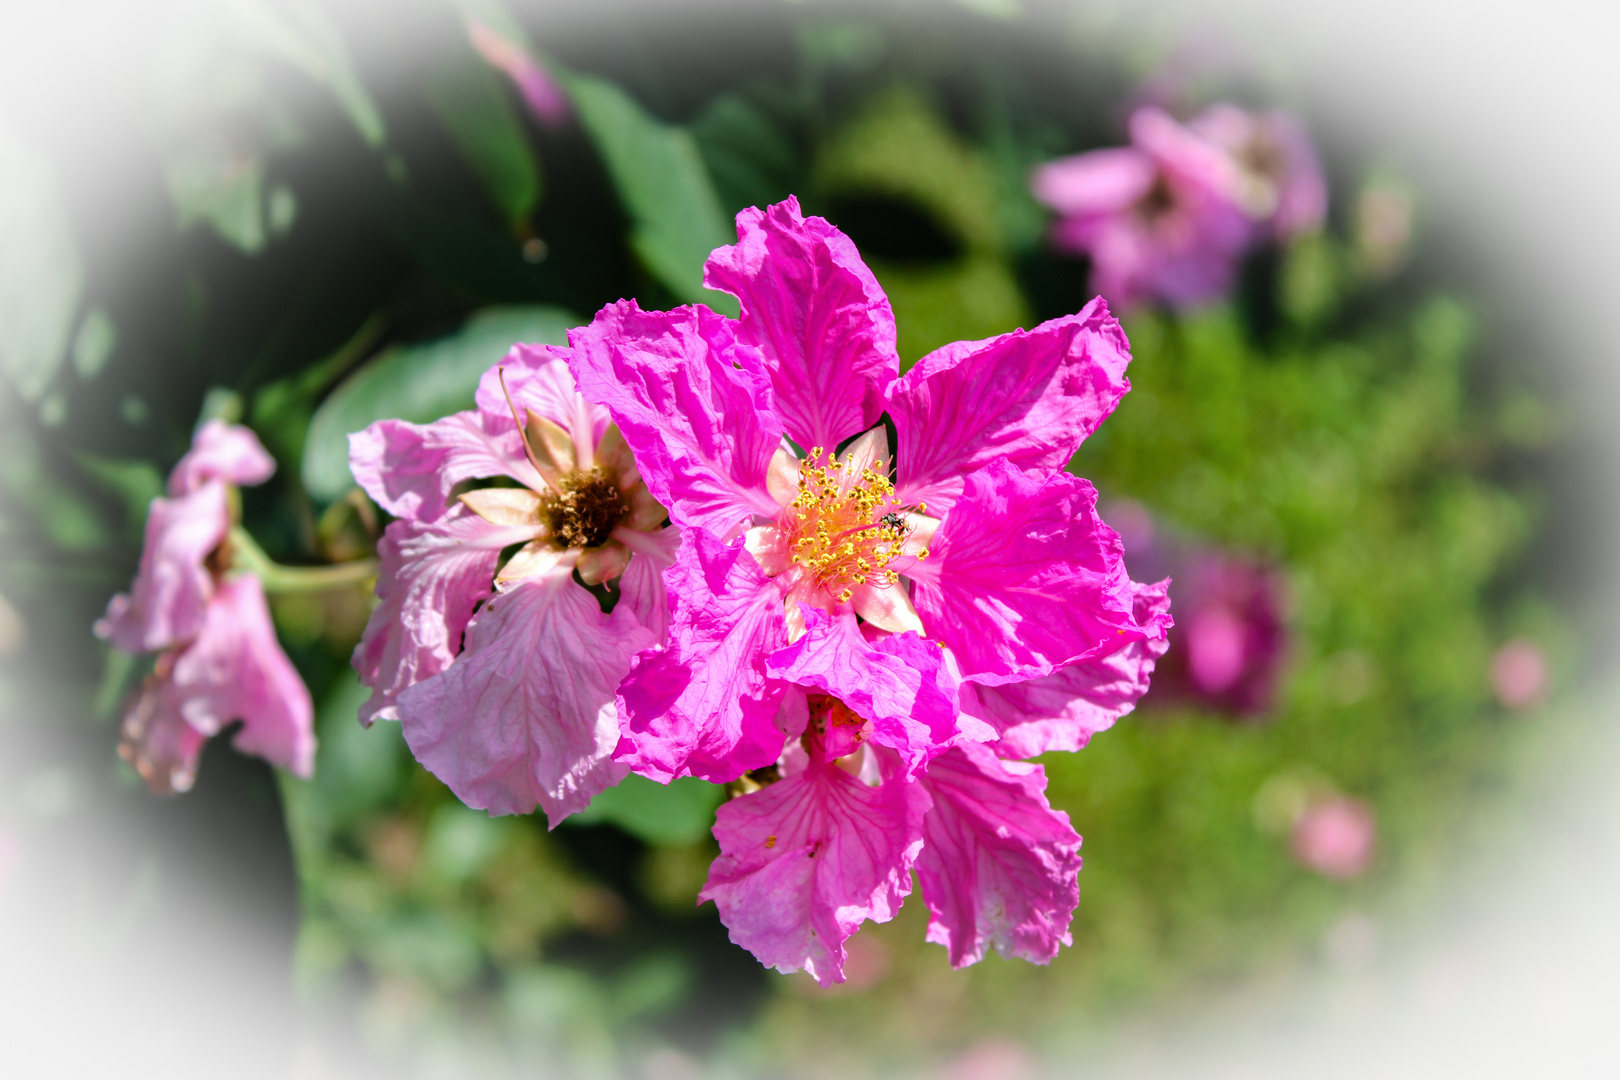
920	530
504	506
870	451
802	591
645	512
782	478
553	447
887	607
613	454
535	558
604	563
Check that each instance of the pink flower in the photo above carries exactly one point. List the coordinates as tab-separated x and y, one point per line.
220	659
1165	219
1290	195
1228	648
505	681
1335	837
848	627
1519	674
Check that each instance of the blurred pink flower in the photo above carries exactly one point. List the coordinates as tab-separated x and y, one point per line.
545	99
993	1059
1227	650
1519	674
1164	220
512	707
1335	837
220	660
1287	196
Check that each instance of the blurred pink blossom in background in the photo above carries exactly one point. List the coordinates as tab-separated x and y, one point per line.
545	99
1335	837
1519	674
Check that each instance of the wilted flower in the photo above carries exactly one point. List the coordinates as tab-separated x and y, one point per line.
903	611
220	660
523	713
1335	837
1167	218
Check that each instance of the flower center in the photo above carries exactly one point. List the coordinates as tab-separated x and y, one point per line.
843	528
585	509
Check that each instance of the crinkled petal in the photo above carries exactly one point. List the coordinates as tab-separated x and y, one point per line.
236	670
641	586
1061	711
998	865
804	861
221	451
1028	398
1024	578
537	377
820	318
410	469
525	715
431	576
172	587
901	683
704	706
693	402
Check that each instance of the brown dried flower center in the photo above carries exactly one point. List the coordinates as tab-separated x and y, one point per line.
584	511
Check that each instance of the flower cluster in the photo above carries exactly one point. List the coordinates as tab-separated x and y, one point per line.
883	594
1167	218
218	656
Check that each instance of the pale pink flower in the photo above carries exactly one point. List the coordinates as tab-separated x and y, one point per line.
540	91
1288	196
1519	674
220	659
505	681
1335	837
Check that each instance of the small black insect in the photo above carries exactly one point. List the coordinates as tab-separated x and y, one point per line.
893	521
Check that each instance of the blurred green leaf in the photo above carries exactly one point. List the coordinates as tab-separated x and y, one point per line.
661	179
136	483
753	162
679	813
93	345
41	275
469	102
212	184
306	38
418	383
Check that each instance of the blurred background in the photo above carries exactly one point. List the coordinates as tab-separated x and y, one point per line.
1377	833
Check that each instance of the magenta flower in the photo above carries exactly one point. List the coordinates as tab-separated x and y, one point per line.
521	713
1165	219
1231	641
1290	194
220	660
894	608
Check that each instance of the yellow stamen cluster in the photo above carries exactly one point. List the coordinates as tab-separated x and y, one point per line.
844	529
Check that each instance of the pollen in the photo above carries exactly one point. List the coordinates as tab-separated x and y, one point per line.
585	509
844	526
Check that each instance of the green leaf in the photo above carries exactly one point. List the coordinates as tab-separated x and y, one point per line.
136	483
41	275
469	102
213	185
418	383
672	815
310	42
661	180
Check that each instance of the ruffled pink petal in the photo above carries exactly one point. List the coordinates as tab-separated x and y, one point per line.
1024	578
525	715
166	604
1028	398
901	683
221	451
694	404
1061	711
806	860
1099	182
236	670
704	706
430	578
641	586
811	306
537	377
998	866
410	469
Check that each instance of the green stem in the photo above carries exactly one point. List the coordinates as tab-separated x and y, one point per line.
246	554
